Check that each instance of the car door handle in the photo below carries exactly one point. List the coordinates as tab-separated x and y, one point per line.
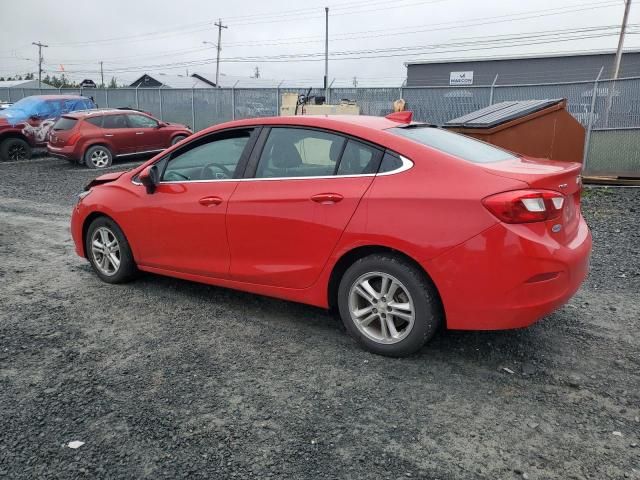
207	201
139	133
327	198
108	134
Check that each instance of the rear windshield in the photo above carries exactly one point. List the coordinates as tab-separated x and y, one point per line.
455	144
65	123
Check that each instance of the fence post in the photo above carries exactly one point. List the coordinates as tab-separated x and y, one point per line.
59	90
23	93
9	94
587	138
493	85
233	101
106	97
278	99
137	104
160	98
193	110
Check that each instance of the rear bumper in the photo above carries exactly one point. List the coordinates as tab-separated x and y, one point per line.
67	153
508	278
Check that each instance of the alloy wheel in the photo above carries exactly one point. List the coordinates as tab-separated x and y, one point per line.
381	307
99	158
17	152
105	250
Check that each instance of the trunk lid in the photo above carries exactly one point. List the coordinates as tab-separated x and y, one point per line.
563	177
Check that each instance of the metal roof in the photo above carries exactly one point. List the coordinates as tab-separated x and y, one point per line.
500	113
578	53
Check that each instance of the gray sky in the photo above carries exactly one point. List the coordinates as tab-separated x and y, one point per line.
133	37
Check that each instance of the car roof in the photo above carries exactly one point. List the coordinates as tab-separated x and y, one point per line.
61	97
98	111
336	122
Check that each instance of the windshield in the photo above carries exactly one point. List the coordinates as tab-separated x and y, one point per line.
455	144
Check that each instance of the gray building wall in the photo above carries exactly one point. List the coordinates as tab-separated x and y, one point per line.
524	70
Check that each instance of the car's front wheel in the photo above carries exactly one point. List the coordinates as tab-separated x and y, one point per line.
108	251
13	149
98	156
388	305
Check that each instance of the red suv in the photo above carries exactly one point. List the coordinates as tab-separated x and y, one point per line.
96	137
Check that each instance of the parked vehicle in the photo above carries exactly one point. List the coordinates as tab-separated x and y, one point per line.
26	124
401	227
5	105
95	138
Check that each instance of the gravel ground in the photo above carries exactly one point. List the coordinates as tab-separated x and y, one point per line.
163	378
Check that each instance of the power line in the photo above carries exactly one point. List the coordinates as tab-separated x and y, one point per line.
429	28
376	53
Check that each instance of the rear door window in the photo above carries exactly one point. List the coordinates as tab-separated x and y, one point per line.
454	144
115	121
358	159
97	121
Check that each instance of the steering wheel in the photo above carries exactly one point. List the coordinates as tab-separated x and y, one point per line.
207	168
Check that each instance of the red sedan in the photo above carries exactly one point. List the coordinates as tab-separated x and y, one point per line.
96	137
402	227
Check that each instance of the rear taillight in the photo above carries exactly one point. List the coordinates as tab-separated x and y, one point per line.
525	206
73	139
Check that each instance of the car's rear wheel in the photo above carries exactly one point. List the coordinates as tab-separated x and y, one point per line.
178	138
13	149
98	156
108	251
388	305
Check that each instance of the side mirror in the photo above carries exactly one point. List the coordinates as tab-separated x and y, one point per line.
162	124
149	177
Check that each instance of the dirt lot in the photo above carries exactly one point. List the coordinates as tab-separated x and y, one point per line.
164	378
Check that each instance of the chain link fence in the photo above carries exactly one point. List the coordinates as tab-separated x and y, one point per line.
608	109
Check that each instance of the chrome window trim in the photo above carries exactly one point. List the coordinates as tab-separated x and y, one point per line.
139	153
406	165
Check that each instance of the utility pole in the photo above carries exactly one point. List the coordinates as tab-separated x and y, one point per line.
101	76
617	62
623	29
39	45
326	53
219	47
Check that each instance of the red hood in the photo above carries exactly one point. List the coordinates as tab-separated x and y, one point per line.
106	178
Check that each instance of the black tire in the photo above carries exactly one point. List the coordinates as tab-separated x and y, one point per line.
427	316
127	269
98	157
177	138
13	149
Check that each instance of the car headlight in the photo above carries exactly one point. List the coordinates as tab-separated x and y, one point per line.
81	195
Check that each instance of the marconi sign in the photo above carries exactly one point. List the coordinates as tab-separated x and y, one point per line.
461	78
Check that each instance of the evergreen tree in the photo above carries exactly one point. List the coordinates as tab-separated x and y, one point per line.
112	83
